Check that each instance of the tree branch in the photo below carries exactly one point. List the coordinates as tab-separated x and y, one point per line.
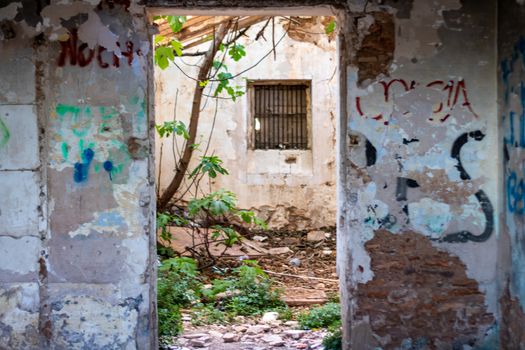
204	71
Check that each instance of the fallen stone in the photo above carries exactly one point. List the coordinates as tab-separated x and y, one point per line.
291	324
295	262
273	340
269	317
215	334
194	335
230	338
294	333
315	236
327	252
257	329
200	342
279	250
240	329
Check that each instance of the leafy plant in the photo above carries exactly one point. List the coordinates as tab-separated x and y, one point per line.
236	52
252	291
333	340
216	203
178	285
166	219
210	165
330	27
207	314
170	127
328	315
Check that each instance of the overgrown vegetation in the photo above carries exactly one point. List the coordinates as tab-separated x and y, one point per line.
211	217
334	340
326	316
247	291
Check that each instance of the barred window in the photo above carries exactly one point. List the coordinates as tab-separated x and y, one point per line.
280	115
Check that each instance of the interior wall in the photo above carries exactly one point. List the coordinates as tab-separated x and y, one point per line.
77	262
290	189
421	195
427	241
511	94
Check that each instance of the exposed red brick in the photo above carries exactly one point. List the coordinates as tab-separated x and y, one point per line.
420	292
377	48
512	335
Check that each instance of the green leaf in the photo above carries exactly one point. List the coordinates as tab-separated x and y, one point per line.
203	83
177	46
218	65
168	128
159	38
163	55
237	52
176	22
330	27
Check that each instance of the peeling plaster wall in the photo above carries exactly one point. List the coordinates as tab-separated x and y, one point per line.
77	263
289	195
511	83
419	154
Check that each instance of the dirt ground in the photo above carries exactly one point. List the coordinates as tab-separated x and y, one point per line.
302	264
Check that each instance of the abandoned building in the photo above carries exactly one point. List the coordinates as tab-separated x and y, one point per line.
278	140
430	123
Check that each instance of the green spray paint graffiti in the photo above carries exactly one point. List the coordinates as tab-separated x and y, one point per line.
4	134
93	139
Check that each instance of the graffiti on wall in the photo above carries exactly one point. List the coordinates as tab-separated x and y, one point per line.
453	95
514	125
405	184
92	140
76	53
4	134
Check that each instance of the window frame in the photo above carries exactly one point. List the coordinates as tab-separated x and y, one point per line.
251	110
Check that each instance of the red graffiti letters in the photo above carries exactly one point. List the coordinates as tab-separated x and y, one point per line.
82	55
455	95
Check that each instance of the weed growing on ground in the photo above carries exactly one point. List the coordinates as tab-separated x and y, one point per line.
334	340
326	316
248	291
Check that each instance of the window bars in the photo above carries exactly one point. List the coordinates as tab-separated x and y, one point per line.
280	119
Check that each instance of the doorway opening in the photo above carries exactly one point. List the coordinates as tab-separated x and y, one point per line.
246	122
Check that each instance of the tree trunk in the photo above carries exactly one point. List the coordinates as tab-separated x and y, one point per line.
184	162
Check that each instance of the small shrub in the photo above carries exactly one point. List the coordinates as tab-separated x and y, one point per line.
170	322
178	285
333	340
253	291
206	314
328	315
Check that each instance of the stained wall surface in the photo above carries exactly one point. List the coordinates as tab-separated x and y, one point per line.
76	267
290	189
430	246
511	93
420	210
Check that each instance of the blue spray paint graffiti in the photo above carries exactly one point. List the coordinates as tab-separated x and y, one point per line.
514	124
108	167
82	169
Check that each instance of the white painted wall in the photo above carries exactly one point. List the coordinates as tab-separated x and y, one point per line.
296	196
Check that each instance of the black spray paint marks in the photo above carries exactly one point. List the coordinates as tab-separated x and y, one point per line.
371	153
456	150
484	201
406	142
402	186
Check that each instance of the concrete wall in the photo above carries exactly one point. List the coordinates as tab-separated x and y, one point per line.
289	195
511	79
418	242
430	249
76	269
